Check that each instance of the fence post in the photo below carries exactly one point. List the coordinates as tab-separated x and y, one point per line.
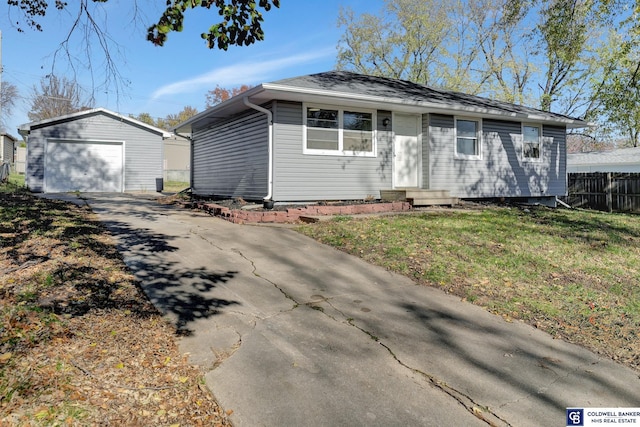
608	190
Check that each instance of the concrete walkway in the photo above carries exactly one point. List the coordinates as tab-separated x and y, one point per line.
291	332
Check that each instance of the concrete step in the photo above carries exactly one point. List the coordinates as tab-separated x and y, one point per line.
434	201
416	194
393	195
419	197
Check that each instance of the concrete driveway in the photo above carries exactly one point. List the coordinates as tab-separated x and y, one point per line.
291	332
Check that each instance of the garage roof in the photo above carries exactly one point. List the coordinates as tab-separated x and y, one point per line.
27	127
612	157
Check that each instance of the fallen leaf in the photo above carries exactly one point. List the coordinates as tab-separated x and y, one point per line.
4	357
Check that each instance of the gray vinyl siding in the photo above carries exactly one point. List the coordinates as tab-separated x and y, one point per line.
34	175
230	159
501	171
305	177
555	156
143	152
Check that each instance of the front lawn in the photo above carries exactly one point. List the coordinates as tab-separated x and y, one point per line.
574	274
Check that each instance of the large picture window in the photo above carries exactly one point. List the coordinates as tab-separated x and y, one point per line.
532	142
335	131
468	138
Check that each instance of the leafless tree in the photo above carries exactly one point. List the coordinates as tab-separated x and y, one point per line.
56	97
8	96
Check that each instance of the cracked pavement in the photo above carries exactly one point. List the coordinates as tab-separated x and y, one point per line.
291	332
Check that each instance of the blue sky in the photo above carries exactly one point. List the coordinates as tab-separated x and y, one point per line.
301	38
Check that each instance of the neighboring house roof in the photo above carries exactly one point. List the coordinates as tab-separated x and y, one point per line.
620	156
27	127
11	137
348	88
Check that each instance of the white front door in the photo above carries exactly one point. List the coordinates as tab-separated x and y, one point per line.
406	153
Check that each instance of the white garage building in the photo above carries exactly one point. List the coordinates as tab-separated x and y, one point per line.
93	151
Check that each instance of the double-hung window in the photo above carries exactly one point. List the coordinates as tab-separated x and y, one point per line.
468	138
337	131
532	142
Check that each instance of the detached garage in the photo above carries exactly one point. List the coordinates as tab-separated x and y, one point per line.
93	151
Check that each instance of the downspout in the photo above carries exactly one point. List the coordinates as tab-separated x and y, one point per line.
268	202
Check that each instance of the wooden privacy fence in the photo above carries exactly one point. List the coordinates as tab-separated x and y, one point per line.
605	191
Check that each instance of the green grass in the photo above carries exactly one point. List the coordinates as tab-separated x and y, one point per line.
562	271
175	186
14	181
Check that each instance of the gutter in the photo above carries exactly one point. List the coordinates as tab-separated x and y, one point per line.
268	202
534	116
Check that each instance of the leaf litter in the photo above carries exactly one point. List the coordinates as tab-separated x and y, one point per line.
80	344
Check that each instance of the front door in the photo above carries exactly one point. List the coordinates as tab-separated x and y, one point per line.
406	155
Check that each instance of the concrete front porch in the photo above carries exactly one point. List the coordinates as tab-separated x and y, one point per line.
419	196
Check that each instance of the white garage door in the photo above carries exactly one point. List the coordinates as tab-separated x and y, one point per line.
83	166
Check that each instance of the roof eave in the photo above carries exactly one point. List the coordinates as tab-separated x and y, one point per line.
422	105
24	129
186	126
271	91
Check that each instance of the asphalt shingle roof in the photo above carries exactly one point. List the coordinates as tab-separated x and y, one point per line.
348	82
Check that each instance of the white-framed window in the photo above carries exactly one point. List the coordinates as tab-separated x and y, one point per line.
468	136
531	142
339	131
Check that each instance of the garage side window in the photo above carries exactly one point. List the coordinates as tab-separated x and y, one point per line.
338	132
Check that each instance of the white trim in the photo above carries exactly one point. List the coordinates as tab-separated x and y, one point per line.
340	151
84	141
267	92
540	143
479	138
431	106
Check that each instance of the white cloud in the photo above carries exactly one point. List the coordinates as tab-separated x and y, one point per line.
250	72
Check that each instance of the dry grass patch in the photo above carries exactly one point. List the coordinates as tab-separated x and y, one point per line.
79	342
